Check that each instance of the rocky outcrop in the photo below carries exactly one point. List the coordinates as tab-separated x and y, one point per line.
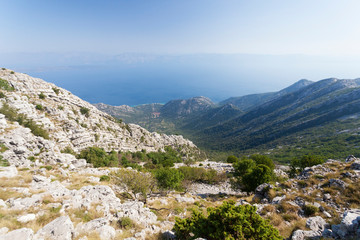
70	122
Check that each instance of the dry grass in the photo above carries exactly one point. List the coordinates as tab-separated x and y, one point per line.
5	194
83	215
89	236
79	181
286	230
22	180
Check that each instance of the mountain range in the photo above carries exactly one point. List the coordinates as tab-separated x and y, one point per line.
313	115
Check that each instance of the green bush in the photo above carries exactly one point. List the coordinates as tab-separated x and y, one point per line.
195	174
165	159
4	85
265	160
231	159
306	161
134	181
258	175
2	95
42	96
56	90
169	178
98	157
243	166
39	107
125	223
310	210
85	111
69	150
226	222
4	162
104	178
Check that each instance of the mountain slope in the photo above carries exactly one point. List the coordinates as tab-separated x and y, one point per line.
249	101
184	107
69	121
317	104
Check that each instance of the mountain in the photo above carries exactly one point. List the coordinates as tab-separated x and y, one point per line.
185	107
66	122
249	101
325	103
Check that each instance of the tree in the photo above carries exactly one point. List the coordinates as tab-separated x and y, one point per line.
169	178
265	160
135	182
259	174
231	159
243	166
228	222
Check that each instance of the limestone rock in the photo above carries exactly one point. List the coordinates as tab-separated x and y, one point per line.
59	229
26	218
316	223
349	226
19	234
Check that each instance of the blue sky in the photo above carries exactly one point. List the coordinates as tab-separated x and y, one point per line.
188	26
141	51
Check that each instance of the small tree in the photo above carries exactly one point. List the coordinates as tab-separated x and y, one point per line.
231	159
135	182
169	178
259	175
243	166
228	222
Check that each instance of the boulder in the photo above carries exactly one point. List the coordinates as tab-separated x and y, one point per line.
316	223
349	226
19	234
26	218
337	183
59	229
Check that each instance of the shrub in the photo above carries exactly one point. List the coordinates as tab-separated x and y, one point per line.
259	175
104	178
231	159
169	178
4	162
85	111
56	90
134	181
97	156
12	115
4	85
42	96
60	107
265	160
69	150
2	95
226	222
195	174
310	210
12	72
243	166
298	165
125	223
39	107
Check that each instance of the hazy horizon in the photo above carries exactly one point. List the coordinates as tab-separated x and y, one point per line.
136	52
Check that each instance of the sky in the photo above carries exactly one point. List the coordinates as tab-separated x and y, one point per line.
276	42
188	26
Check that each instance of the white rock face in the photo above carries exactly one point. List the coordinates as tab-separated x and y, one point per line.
60	229
19	234
70	122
